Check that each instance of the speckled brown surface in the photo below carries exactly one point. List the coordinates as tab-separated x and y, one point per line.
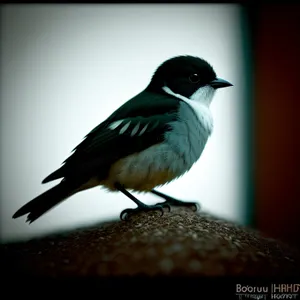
180	242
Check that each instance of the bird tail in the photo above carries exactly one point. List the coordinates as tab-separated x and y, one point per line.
44	202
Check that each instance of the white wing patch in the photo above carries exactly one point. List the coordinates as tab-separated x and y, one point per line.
134	131
199	102
115	124
124	128
143	130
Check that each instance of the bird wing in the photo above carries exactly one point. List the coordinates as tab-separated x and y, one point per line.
138	124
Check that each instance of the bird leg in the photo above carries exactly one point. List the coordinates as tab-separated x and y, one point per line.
140	205
174	202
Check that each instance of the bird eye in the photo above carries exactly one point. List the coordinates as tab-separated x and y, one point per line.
194	78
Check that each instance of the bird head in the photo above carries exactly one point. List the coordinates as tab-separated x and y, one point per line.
188	76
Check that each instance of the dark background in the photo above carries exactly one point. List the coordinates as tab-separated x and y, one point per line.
275	46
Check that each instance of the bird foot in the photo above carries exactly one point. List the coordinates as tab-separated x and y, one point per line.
126	213
174	202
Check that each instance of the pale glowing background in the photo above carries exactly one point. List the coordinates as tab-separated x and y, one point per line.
65	68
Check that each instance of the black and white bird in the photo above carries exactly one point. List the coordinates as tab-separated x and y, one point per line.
152	139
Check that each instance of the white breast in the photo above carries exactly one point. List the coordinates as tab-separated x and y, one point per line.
199	102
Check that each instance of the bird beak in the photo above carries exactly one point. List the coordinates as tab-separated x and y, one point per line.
220	83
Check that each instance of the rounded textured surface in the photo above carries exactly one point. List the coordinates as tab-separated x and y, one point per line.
180	242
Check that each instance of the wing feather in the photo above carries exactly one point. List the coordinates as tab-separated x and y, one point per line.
105	144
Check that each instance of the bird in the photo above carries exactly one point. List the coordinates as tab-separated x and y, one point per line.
152	139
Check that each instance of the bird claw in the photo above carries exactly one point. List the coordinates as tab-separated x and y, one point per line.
124	216
195	206
166	205
125	212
